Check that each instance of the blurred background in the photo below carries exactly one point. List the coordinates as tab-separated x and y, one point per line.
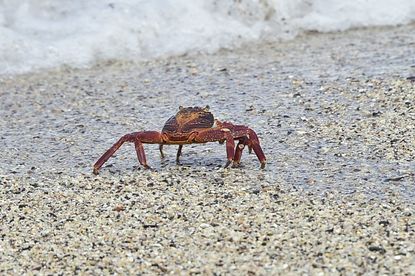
36	34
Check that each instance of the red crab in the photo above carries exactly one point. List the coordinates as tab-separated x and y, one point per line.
191	125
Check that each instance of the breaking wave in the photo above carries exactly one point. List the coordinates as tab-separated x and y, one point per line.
36	34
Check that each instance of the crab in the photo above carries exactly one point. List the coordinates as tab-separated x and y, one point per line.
191	125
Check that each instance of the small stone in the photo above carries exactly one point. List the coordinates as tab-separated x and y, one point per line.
119	208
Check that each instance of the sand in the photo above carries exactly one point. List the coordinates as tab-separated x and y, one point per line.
335	114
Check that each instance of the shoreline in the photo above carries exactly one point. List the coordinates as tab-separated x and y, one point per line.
246	48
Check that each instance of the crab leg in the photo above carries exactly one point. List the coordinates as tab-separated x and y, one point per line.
150	137
112	150
141	154
238	151
247	137
179	153
219	135
230	148
161	151
254	143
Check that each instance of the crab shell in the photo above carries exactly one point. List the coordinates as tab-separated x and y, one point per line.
188	119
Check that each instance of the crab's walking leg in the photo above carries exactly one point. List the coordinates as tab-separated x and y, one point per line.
151	137
179	153
161	151
140	154
148	137
112	150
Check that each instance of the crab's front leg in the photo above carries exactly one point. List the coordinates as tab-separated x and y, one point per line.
248	138
138	138
254	144
239	149
214	135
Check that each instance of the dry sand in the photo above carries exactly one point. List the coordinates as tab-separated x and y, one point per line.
336	117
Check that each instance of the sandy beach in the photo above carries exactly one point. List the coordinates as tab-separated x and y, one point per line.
335	114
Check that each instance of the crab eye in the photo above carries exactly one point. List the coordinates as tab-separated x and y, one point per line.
206	108
181	107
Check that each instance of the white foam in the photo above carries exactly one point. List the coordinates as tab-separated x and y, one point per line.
36	34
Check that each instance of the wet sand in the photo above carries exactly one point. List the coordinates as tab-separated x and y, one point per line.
335	114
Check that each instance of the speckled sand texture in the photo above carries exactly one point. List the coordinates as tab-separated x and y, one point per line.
335	114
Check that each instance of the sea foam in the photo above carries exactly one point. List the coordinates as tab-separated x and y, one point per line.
37	34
